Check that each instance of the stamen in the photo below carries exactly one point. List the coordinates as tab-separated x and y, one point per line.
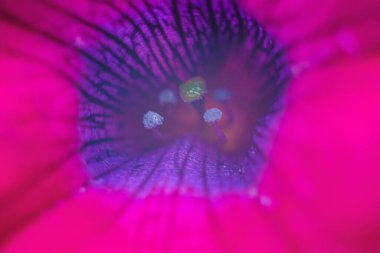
221	95
151	121
211	116
193	90
167	97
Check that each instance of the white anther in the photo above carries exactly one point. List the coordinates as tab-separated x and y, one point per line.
221	95
212	115
152	120
167	97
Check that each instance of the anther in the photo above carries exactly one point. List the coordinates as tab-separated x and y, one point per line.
221	95
212	116
167	97
151	121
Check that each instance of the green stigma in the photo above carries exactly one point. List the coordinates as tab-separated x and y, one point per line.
194	89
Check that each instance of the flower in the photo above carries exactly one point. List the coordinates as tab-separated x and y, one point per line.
319	191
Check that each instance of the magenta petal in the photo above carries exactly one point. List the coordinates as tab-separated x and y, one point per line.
156	224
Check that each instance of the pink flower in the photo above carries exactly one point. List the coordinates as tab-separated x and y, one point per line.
319	192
